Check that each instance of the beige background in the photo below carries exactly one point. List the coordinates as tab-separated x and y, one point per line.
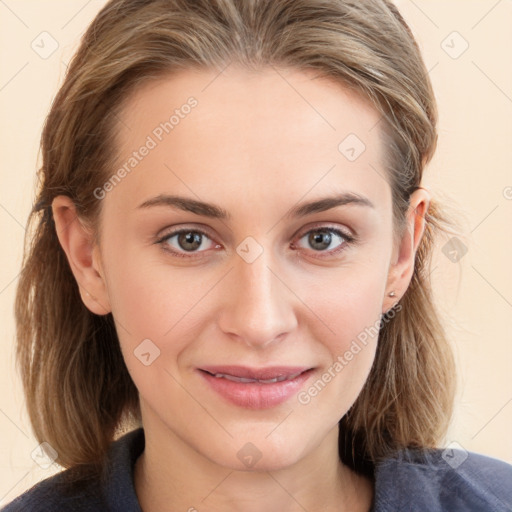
472	170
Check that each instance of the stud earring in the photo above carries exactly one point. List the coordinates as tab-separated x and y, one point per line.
391	294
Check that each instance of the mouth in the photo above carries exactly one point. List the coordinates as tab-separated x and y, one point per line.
261	381
245	374
256	388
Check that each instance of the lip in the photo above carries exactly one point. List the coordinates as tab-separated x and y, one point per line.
269	372
256	395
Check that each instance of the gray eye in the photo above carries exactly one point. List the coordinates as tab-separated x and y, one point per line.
189	241
321	239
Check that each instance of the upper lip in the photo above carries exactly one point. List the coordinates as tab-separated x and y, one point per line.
270	372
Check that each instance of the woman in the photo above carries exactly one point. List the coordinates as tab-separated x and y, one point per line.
230	261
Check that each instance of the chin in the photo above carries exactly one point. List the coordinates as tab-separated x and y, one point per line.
257	456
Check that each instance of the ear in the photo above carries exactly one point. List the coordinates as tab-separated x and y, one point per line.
402	265
83	255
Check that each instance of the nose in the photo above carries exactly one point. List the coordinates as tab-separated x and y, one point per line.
258	306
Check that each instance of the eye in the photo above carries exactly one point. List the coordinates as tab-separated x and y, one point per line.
184	241
187	243
324	237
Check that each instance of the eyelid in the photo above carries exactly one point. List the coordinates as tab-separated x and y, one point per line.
348	234
168	232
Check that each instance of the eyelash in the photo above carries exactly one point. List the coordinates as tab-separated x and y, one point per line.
348	240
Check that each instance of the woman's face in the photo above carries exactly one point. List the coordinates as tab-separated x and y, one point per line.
261	280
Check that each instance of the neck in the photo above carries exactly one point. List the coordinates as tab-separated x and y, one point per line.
171	476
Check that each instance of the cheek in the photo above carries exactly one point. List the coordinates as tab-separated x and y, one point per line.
350	307
347	300
154	309
168	305
173	307
348	311
152	299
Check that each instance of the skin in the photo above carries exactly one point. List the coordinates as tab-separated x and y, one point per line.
257	144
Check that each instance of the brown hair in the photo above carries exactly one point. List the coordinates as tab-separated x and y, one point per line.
79	392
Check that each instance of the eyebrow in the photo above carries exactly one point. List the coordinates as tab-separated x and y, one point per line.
216	212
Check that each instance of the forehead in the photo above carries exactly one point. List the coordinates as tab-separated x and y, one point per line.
254	129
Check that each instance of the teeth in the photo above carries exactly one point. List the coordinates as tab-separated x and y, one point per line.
261	381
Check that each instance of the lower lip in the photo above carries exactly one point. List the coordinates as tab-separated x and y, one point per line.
255	395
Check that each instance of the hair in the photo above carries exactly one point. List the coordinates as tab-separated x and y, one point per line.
79	393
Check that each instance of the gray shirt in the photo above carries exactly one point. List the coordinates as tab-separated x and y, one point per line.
411	481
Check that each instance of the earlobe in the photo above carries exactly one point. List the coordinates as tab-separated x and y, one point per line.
83	255
402	268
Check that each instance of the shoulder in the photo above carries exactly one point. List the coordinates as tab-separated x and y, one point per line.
108	486
443	480
58	493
